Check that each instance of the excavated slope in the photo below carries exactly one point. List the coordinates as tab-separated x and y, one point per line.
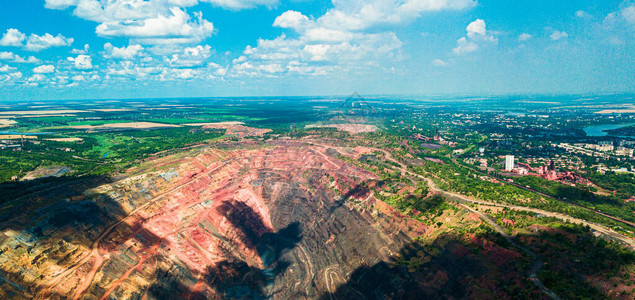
268	221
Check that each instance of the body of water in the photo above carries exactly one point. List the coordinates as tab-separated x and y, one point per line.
24	133
600	130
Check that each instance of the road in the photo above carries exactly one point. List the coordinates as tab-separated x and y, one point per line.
537	264
631	224
465	199
94	253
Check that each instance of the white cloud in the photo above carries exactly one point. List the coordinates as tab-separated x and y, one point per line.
242	4
91	8
185	73
35	79
318	52
11	77
350	36
557	35
464	47
618	27
82	62
152	22
113	10
321	34
524	36
81	51
217	70
477	34
59	4
6	68
124	52
439	63
628	14
38	43
15	38
477	31
363	14
12	37
128	68
191	57
173	28
476	28
44	69
7	55
10	56
582	14
284	55
291	19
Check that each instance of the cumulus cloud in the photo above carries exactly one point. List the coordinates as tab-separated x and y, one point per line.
113	10
349	36
164	37
363	14
81	51
476	28
59	4
44	69
82	62
285	55
184	73
477	34
12	37
152	22
89	8
242	4
191	57
558	35
38	43
464	46
124	52
129	68
291	19
10	56
173	28
35	79
6	68
10	78
217	70
477	31
524	36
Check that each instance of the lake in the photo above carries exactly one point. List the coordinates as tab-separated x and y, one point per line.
600	130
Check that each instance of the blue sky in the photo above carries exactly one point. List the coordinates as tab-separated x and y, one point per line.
76	49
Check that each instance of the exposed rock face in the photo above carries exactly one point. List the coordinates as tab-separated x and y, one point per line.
279	220
266	222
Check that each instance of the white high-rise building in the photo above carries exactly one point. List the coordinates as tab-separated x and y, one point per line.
509	162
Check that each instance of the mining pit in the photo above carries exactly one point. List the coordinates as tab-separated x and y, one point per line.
281	220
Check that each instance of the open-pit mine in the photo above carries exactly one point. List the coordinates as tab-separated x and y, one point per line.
278	219
244	221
